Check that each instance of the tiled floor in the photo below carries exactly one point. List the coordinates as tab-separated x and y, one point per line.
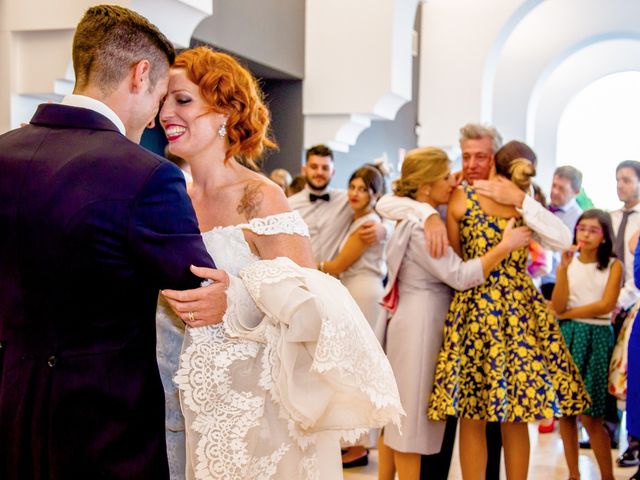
547	462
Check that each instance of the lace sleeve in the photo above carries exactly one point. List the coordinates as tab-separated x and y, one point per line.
287	222
324	334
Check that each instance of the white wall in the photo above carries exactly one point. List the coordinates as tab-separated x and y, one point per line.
554	93
599	129
177	19
457	39
358	58
544	39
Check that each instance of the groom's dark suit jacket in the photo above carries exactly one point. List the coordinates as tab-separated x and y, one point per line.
91	227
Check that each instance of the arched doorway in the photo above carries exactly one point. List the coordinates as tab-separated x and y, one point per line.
598	129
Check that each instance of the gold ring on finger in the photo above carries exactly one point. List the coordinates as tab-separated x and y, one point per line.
191	317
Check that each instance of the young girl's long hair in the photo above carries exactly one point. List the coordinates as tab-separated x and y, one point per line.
605	250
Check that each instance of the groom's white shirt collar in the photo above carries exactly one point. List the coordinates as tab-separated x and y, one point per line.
95	105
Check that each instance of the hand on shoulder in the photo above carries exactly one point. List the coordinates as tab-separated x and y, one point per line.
372	233
500	190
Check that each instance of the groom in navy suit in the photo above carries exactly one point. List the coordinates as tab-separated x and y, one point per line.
92	227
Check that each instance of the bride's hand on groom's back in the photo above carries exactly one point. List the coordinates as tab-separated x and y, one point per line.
201	306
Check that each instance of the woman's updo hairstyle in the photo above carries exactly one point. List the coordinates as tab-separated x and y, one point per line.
229	89
421	166
517	162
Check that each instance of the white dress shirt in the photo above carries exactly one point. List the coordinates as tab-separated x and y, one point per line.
629	294
328	221
97	106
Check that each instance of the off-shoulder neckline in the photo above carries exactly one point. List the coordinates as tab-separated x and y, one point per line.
249	224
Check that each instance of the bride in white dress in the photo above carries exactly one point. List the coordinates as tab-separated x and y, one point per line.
294	367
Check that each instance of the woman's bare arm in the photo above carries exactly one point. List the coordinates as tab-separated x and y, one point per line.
353	249
455	210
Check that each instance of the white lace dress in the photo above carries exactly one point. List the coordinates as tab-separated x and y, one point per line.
293	368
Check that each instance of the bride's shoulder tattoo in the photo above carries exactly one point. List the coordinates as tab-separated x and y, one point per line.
251	200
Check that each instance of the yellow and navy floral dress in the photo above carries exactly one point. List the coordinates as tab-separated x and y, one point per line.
503	357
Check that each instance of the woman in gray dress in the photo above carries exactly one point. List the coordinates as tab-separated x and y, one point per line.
417	297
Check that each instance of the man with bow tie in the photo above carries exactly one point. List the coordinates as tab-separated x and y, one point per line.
326	210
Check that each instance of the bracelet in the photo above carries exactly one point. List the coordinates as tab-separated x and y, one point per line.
321	266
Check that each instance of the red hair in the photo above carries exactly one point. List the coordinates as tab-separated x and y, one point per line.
231	90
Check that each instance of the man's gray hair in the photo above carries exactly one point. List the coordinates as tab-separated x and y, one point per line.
572	174
477	131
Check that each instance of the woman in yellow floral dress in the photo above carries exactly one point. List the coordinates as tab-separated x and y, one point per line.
503	358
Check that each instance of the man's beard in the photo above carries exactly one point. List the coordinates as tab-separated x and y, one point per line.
317	187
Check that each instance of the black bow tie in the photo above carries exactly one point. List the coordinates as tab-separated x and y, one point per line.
313	197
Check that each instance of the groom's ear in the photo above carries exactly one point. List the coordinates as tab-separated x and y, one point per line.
139	79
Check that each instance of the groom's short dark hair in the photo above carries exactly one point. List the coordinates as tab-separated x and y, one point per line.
110	39
319	151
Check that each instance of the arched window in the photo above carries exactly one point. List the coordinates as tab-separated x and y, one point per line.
599	128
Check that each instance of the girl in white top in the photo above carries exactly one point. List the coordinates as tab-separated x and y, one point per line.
585	294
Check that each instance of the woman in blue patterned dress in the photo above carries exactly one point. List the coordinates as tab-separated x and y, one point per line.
503	358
